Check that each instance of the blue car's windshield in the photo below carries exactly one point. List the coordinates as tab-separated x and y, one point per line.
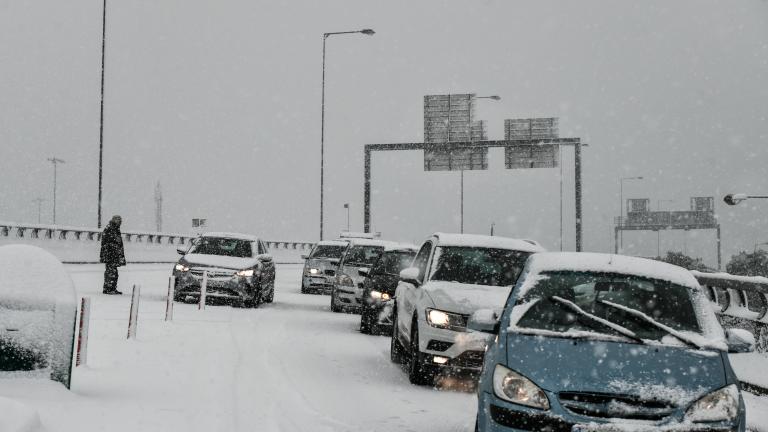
618	299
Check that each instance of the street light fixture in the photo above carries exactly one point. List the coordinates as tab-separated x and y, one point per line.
55	161
621	207
461	226
368	32
733	199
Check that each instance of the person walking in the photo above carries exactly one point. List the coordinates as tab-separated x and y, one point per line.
112	254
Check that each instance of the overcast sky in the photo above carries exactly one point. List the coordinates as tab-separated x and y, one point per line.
219	101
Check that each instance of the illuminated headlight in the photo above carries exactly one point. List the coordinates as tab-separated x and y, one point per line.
720	405
314	271
245	273
345	280
377	295
442	319
181	268
515	388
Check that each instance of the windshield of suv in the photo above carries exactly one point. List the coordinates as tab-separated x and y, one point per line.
223	246
478	265
663	302
328	251
393	262
363	256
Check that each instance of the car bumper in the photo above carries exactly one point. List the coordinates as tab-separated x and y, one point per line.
496	415
318	283
234	288
348	298
458	353
381	312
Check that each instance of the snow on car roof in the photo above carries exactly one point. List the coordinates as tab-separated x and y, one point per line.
33	278
370	242
474	240
401	247
238	236
342	243
609	263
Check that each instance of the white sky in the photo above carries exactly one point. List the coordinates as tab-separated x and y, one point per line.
220	102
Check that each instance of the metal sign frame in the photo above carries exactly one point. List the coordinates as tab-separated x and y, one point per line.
447	146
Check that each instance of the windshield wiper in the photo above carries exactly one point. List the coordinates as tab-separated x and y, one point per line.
648	320
604	322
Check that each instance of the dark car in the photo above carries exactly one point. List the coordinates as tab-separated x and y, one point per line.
240	271
379	287
321	264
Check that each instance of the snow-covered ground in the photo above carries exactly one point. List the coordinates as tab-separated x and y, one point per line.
289	366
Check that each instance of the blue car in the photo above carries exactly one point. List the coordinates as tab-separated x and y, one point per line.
598	342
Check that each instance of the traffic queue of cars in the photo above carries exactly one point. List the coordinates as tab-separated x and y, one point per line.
559	341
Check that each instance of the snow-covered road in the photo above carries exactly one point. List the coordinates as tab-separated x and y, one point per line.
289	366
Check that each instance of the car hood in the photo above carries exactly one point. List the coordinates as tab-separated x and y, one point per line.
671	374
203	260
466	298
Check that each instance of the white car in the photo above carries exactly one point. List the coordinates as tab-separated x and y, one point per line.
453	276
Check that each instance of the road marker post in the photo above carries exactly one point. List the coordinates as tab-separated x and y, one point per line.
134	314
203	289
82	333
169	299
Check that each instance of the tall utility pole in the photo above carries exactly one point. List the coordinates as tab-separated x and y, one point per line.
158	207
55	161
101	117
368	32
39	202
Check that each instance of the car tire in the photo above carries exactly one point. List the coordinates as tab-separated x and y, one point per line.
271	297
334	306
419	373
304	289
396	349
366	323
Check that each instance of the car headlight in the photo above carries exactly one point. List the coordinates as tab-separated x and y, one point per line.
447	320
515	388
313	271
720	405
245	273
345	280
181	268
378	295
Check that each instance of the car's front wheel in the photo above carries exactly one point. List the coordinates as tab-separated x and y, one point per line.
396	350
419	373
366	322
271	297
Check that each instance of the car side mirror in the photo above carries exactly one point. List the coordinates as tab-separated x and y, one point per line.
264	257
739	340
304	256
411	276
484	320
181	251
364	272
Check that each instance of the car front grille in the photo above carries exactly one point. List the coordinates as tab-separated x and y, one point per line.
614	406
212	274
330	272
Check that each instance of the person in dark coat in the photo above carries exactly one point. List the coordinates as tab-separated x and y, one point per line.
112	254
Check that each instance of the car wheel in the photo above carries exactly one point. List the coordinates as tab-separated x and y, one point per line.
304	289
419	373
334	306
271	297
365	323
396	350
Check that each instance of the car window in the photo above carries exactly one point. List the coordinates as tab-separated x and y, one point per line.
598	293
477	265
422	258
392	263
223	246
363	256
327	251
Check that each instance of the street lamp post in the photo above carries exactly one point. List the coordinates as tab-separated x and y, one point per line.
621	207
368	32
346	206
55	161
39	202
461	193
101	115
